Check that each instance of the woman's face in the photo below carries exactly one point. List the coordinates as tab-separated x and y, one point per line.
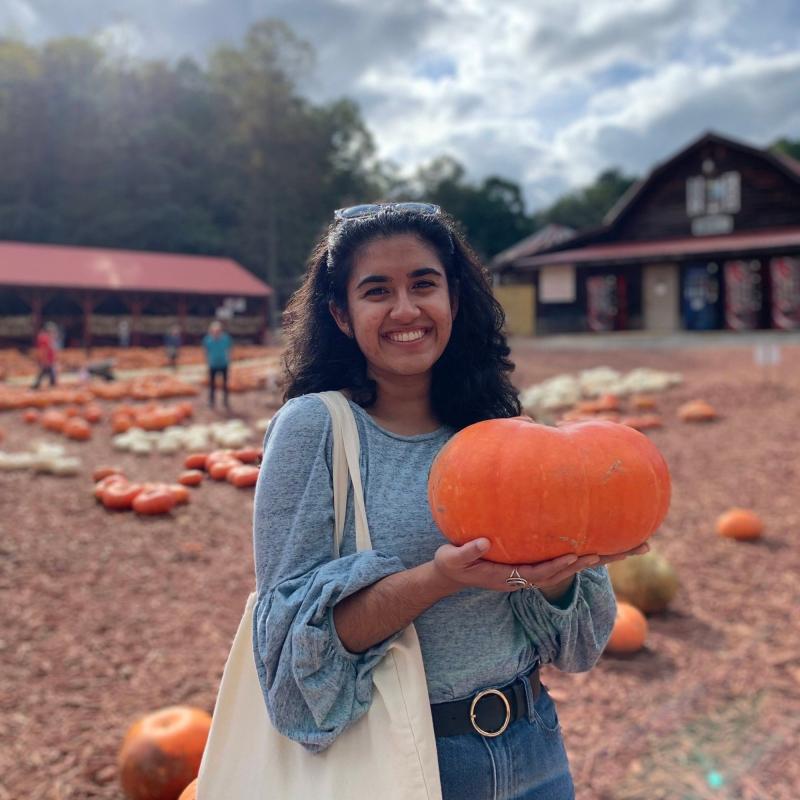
398	306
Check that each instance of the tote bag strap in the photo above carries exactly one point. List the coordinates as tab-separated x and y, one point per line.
346	461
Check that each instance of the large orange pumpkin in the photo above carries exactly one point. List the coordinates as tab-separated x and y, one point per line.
630	630
161	753
539	492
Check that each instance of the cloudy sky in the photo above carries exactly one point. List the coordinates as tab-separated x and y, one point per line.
545	92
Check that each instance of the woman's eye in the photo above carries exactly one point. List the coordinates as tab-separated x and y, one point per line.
374	292
424	284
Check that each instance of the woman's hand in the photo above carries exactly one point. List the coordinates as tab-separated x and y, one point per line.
461	567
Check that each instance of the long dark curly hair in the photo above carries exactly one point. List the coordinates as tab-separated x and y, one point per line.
470	380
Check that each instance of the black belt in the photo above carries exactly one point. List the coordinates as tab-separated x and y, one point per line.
489	712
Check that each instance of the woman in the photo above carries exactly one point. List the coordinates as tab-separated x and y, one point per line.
396	310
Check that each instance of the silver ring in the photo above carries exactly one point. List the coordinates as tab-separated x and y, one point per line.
515	579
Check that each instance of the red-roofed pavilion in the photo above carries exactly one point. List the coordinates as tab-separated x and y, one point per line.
90	292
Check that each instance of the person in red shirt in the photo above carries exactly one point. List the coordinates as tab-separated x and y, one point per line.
46	355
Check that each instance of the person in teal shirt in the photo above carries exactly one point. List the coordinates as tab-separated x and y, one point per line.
217	343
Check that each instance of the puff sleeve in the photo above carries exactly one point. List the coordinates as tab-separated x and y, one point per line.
313	687
572	634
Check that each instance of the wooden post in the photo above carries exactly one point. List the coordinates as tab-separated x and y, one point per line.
182	311
136	304
88	304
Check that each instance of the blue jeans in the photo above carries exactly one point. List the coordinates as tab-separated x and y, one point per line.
527	761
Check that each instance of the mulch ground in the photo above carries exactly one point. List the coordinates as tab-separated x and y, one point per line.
106	616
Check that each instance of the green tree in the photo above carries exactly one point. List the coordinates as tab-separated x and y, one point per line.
788	147
586	208
491	212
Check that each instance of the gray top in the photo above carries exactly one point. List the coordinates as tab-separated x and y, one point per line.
314	688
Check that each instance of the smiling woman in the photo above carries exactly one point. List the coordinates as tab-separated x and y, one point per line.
400	291
397	313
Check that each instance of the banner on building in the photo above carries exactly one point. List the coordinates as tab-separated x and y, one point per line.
744	295
785	282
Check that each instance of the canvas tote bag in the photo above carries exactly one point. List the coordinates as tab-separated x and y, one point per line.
389	753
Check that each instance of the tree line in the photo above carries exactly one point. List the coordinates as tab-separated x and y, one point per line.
221	158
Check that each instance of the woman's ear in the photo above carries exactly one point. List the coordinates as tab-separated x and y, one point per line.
341	319
454	303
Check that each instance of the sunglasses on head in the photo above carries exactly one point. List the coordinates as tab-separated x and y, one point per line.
370	209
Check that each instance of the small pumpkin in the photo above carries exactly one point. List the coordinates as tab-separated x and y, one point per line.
153	500
161	752
741	524
30	416
98	473
78	429
243	477
93	413
180	493
218	455
120	495
538	492
697	411
219	469
248	455
53	420
195	461
647	581
629	632
191	477
645	422
644	402
121	423
101	485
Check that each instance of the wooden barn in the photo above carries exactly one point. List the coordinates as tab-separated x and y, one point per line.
98	296
710	239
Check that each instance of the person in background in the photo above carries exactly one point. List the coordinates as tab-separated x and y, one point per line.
217	344
172	343
46	354
124	333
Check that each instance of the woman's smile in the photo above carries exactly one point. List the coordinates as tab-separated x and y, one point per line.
407	337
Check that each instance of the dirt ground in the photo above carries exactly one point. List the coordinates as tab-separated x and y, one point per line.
106	616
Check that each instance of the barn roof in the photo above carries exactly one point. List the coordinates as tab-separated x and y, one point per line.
750	241
63	267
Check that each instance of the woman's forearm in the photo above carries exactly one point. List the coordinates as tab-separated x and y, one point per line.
380	610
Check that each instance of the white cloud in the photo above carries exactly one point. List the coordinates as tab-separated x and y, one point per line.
18	18
545	92
123	38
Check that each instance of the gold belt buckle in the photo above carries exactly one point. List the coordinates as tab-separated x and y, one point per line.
475	703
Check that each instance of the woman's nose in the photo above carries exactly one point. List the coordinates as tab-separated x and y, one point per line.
404	309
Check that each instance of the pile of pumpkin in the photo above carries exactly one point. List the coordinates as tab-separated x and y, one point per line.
74	422
645	414
17	397
117	493
237	467
150	416
147	387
